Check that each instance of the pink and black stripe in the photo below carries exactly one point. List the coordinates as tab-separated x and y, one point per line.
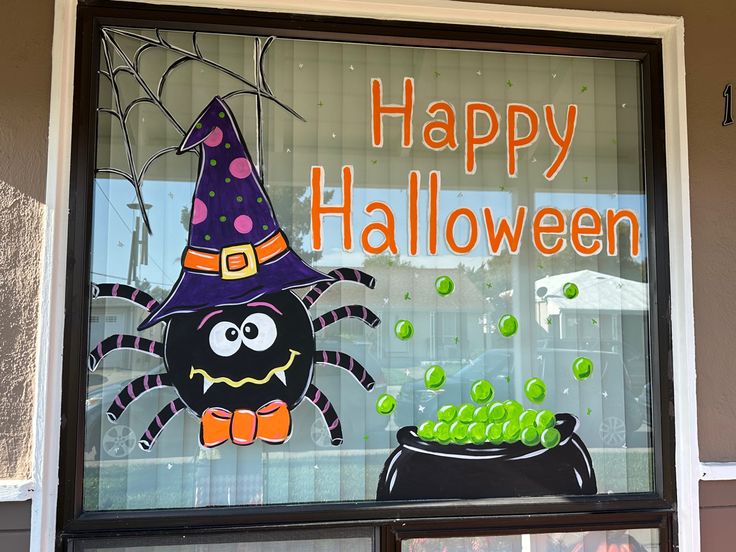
340	275
332	421
134	390
342	360
349	311
162	418
124	292
123	341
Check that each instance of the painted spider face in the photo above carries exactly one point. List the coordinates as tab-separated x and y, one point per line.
242	356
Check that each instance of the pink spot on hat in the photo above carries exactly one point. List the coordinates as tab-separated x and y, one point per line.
199	212
240	167
214	138
243	224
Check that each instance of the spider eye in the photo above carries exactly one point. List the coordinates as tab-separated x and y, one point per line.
225	339
259	331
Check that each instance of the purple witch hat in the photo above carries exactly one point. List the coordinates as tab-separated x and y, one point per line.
237	250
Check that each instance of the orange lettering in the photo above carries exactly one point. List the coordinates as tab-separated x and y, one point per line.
388	229
447	127
563	141
504	233
379	109
612	220
319	209
577	231
540	229
472	140
450	230
432	208
414	177
514	142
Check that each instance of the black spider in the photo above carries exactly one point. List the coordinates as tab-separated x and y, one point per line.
223	357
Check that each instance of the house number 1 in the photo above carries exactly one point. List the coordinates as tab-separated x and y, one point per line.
727	106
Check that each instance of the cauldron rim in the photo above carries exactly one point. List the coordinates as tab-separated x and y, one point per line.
407	437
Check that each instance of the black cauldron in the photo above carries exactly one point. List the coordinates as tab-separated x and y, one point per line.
418	469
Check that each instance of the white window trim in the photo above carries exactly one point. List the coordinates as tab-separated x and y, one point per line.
51	313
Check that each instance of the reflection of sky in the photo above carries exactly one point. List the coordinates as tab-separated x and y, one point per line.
114	223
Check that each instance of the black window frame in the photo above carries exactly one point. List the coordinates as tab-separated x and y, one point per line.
392	521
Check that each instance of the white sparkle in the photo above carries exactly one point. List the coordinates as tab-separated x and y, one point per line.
169	466
623	105
554	75
534	159
288	150
385	300
566	391
334	135
478	72
301	66
421	408
351	68
407	372
316	467
605	394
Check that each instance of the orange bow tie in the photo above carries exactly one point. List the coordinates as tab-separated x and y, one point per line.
270	423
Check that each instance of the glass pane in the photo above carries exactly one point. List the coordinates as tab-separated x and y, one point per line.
506	243
632	540
308	541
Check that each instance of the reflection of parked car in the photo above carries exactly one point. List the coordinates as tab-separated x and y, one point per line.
494	365
617	409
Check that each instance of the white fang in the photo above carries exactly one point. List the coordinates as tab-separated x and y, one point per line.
206	384
282	376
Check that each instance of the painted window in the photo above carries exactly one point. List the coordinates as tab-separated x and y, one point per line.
327	272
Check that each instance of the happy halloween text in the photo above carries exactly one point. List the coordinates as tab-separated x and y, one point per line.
551	228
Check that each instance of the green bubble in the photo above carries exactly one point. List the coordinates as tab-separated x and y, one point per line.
239	199
444	285
434	377
481	415
477	433
459	432
221	114
582	368
570	290
513	409
212	193
404	330
259	200
530	436
482	391
228	180
207	237
447	413
535	390
511	431
465	413
494	433
227	145
426	430
545	419
198	126
550	437
223	218
508	325
497	412
385	404
213	162
442	433
528	418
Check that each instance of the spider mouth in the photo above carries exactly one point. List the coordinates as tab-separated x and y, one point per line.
278	371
